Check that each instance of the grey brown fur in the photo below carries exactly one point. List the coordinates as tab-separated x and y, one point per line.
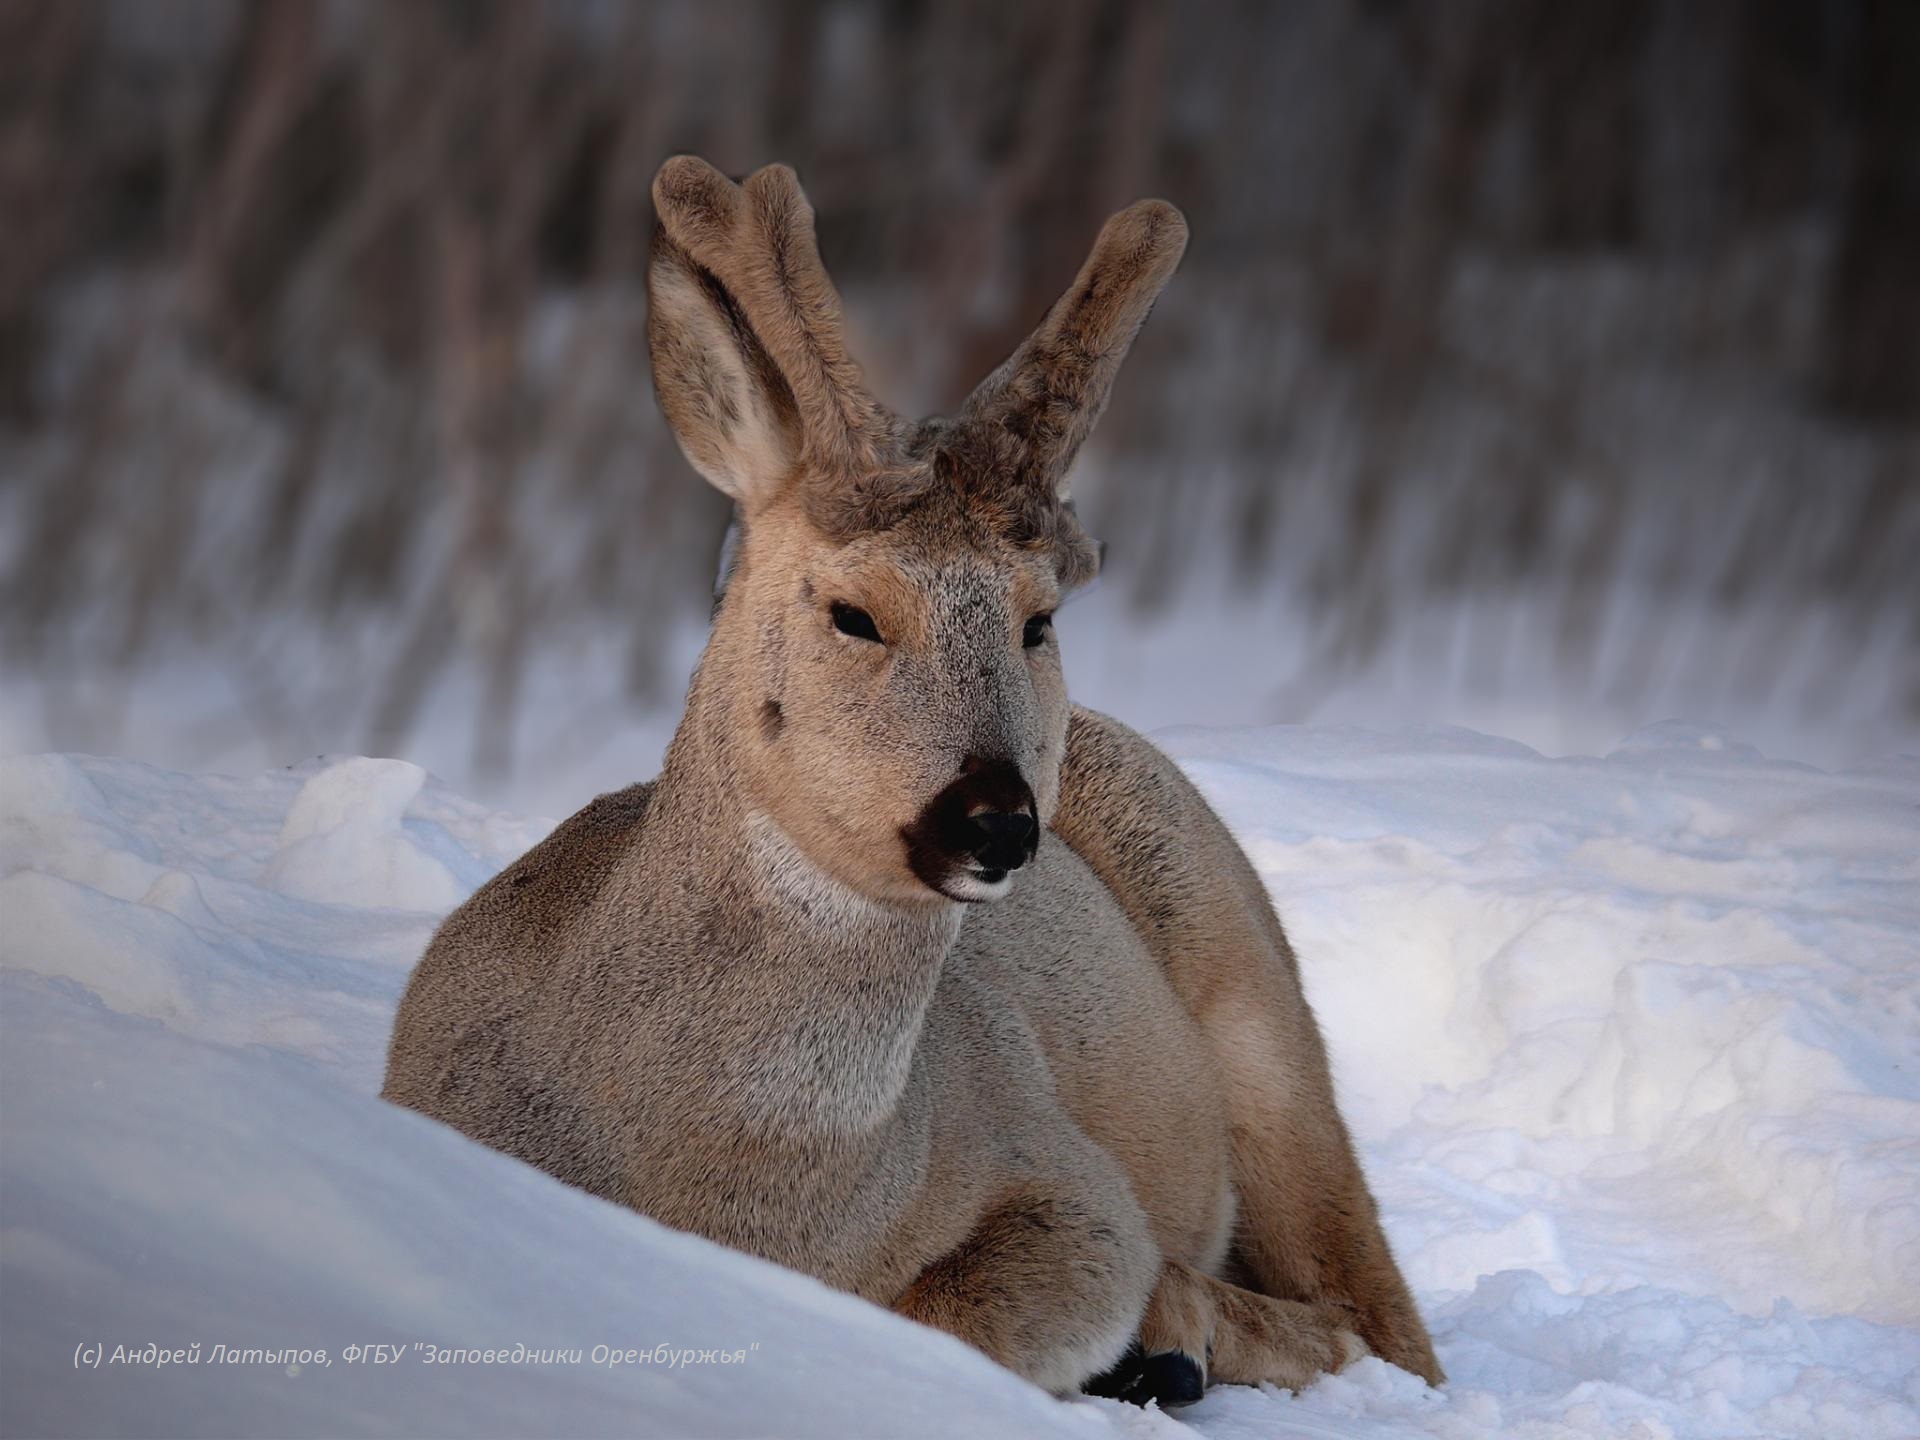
1092	1111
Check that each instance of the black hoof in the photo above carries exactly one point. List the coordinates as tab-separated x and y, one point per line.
1109	1384
1171	1377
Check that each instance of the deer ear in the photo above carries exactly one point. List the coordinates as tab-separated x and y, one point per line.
749	350
1049	393
727	402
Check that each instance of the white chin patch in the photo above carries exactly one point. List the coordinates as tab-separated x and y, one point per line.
972	886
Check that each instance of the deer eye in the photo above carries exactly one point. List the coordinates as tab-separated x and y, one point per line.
852	620
1036	631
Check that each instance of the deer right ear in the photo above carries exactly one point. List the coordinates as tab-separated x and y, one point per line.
1052	389
728	404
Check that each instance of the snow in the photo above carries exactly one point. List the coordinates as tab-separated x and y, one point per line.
1631	1045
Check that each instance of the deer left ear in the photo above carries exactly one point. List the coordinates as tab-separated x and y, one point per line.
728	404
1053	388
749	352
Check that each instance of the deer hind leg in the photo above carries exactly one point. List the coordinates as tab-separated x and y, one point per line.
1050	1284
1198	1331
1308	1229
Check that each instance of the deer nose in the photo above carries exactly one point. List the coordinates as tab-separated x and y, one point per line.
1002	839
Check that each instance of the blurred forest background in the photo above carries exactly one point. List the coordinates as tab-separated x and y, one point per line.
1552	368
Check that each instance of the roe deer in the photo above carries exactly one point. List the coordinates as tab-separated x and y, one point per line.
1086	1126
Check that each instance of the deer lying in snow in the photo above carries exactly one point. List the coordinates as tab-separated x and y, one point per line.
905	972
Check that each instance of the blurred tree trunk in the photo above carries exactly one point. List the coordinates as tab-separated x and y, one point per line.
47	51
1873	324
1388	313
1579	64
245	230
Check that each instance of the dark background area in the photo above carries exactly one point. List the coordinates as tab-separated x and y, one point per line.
1528	360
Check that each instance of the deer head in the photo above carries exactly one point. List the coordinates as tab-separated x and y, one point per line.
884	662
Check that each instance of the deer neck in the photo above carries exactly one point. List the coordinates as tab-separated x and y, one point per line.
828	987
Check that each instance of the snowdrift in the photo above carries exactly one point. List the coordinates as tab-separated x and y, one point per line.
1632	1047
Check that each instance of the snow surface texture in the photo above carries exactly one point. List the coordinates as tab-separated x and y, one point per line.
1632	1047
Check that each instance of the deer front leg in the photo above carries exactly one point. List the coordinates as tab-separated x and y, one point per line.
1051	1284
1198	1330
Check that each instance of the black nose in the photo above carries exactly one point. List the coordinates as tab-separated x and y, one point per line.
981	826
1001	839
